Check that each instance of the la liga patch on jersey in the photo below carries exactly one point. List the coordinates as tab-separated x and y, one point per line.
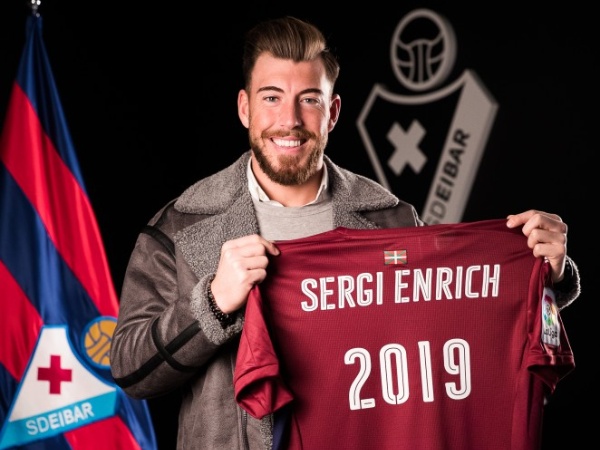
550	323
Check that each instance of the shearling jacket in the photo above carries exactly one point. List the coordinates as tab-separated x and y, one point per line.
168	339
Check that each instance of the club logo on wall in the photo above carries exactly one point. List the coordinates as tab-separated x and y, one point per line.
426	147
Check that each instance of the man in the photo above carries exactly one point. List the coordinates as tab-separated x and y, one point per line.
194	264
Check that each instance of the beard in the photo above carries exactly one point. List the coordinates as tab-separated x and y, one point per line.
289	170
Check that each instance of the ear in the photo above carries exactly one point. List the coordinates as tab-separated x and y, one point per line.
334	111
243	107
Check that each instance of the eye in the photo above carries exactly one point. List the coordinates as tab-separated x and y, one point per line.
311	100
270	99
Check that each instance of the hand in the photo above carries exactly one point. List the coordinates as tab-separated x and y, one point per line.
242	264
546	235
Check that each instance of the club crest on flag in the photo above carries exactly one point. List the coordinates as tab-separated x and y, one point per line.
67	394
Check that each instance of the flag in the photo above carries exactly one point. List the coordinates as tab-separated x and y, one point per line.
58	304
394	257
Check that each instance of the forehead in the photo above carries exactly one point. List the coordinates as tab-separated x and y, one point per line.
287	74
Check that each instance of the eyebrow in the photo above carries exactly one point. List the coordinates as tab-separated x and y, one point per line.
305	91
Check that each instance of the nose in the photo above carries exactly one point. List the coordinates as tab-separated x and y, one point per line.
290	116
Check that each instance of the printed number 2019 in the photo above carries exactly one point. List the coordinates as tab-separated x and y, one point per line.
395	392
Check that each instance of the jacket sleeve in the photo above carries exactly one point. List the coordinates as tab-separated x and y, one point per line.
165	331
569	288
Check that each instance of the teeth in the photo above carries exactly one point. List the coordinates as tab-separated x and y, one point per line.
286	143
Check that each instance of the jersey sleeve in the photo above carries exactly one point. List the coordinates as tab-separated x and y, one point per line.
258	384
550	354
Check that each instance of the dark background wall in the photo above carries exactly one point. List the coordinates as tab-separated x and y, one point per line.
149	92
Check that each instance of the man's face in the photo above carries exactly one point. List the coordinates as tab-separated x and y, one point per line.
289	111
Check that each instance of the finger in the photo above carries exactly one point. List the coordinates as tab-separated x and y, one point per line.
251	245
551	223
534	219
514	220
547	249
545	235
256	262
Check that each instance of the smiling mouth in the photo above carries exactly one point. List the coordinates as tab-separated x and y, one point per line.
287	142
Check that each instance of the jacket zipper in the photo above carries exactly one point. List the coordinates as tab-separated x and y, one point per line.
244	430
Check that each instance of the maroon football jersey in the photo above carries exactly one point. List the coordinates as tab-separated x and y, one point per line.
424	338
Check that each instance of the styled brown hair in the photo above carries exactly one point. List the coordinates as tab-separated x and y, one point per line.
287	38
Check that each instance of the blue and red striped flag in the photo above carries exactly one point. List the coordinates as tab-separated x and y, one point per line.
58	304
